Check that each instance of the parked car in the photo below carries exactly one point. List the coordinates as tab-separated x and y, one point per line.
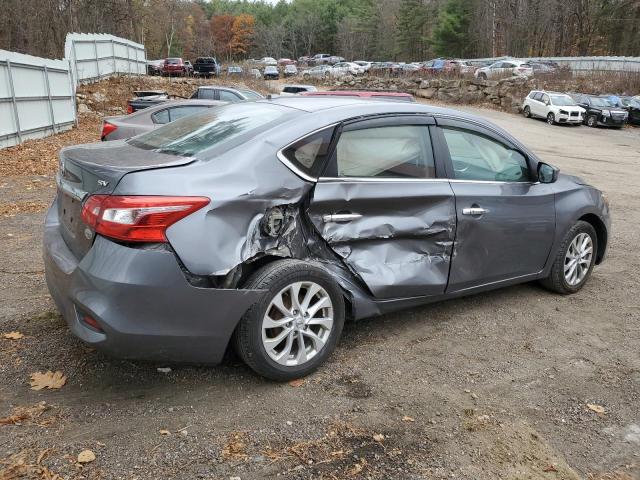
266	225
408	68
462	66
505	68
439	65
268	61
303	60
226	94
206	67
320	71
154	67
319	59
255	73
555	107
290	70
600	111
285	61
632	106
174	67
234	70
188	68
384	68
333	59
126	126
388	96
542	68
346	68
271	73
296	89
146	98
366	66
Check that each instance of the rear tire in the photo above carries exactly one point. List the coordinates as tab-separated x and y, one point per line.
527	112
561	279
307	335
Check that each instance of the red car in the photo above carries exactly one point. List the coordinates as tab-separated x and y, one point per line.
392	96
286	61
174	66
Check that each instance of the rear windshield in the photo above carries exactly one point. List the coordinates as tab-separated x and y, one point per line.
173	61
227	126
205	60
250	94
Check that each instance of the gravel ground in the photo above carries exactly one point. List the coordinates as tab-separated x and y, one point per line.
491	386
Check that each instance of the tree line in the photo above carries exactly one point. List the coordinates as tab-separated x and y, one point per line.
407	30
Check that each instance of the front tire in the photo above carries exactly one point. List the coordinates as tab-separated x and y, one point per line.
551	118
592	121
574	260
297	323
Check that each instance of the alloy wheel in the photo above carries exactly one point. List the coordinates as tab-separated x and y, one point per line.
577	260
551	119
297	323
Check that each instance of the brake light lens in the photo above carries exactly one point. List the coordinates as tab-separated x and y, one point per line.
137	218
129	108
107	128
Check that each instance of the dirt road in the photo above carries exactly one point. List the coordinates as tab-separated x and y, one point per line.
485	387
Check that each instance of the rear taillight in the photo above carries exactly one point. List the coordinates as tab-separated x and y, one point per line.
107	128
129	108
137	218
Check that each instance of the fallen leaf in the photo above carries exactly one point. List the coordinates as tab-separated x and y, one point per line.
378	437
86	456
24	414
48	379
356	469
13	335
165	432
596	408
550	468
296	383
408	419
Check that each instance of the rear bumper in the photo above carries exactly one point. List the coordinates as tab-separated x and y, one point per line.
141	300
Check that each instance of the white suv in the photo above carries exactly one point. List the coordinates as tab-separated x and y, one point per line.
555	107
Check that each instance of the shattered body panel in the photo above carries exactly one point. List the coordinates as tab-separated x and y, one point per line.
401	245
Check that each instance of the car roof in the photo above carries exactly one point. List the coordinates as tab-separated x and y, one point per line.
356	93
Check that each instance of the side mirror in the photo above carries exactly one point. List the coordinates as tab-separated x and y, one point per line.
547	173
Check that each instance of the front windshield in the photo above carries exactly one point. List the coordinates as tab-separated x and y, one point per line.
215	127
562	101
601	102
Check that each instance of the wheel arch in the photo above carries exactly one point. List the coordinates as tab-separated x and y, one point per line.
601	232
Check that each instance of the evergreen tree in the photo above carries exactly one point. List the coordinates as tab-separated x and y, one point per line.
451	35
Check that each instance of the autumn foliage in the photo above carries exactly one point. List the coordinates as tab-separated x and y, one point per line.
232	35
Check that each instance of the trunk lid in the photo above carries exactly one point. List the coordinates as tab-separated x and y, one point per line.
97	169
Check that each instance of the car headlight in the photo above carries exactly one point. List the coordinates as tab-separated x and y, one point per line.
606	113
564	112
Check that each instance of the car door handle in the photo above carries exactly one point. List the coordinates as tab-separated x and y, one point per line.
340	217
474	211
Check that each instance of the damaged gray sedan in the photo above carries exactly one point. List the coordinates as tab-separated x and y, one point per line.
265	225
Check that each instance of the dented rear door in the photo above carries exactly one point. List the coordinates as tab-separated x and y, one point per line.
384	211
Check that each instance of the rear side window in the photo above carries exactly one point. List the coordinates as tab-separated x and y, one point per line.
538	96
179	112
402	151
476	157
206	94
161	117
309	155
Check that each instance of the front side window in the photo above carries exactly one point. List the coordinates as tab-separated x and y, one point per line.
538	96
310	154
545	98
402	151
476	157
205	94
226	96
